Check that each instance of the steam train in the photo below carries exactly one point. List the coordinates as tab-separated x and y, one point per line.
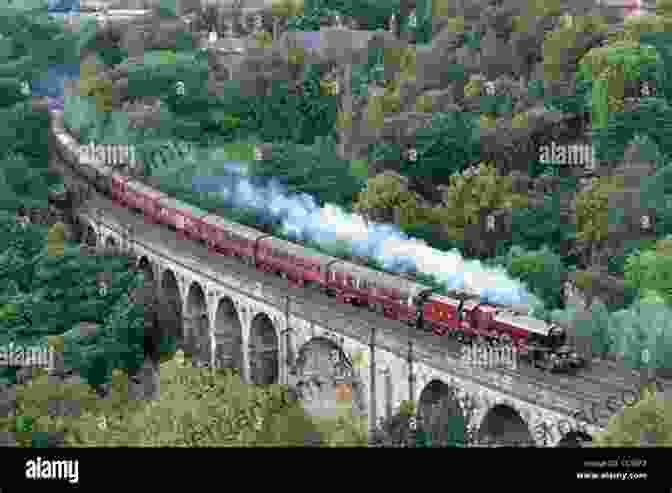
460	315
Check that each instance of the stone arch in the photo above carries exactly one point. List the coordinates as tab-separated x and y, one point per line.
574	438
110	243
197	324
440	413
326	381
90	237
172	303
263	351
145	266
228	336
80	227
503	425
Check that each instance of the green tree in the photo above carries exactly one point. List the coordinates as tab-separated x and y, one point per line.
385	197
52	293
650	271
656	193
542	271
196	407
642	336
535	227
314	170
119	344
560	45
592	214
596	327
56	240
446	146
283	10
473	193
646	424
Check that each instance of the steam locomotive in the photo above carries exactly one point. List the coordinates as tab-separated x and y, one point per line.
461	315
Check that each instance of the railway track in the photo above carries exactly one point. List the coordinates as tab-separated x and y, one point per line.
583	387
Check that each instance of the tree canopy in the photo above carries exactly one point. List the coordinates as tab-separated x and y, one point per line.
473	193
46	289
646	424
197	407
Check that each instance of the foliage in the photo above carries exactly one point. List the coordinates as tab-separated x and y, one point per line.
474	192
661	42
656	193
424	104
317	114
456	24
560	44
446	146
118	343
542	271
645	326
630	55
370	72
80	115
592	209
401	58
385	194
650	270
487	121
370	14
375	112
264	38
56	240
25	177
647	423
286	8
52	293
577	102
158	76
596	328
651	117
424	15
314	170
197	407
474	87
310	19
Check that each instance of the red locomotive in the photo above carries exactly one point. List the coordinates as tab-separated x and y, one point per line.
459	315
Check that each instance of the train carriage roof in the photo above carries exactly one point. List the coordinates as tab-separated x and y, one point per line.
139	187
383	279
527	323
235	229
299	251
173	203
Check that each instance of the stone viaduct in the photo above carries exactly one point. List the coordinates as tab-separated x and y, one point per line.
234	316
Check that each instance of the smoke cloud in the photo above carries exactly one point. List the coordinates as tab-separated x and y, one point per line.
302	218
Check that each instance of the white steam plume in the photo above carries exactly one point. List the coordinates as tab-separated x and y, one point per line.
301	217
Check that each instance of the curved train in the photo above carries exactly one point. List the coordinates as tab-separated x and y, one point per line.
463	316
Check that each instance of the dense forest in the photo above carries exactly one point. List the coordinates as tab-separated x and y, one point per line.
444	182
